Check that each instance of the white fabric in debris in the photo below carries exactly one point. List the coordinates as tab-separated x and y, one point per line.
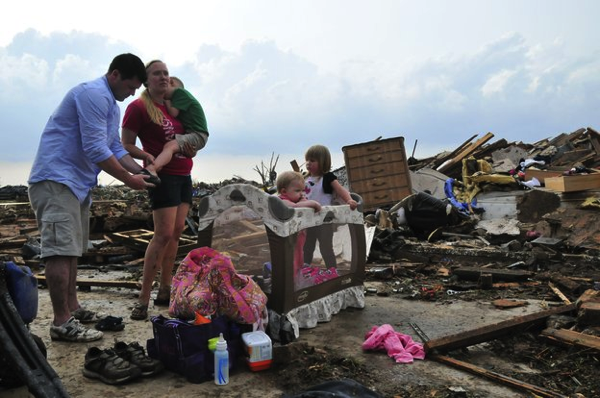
321	310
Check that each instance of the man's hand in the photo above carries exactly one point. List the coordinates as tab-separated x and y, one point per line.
138	181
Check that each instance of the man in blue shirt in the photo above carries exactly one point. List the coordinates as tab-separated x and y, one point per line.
80	139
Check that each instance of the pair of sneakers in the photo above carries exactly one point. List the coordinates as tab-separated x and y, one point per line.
120	364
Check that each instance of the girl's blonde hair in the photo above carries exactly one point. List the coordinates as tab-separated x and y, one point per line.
286	178
154	112
321	154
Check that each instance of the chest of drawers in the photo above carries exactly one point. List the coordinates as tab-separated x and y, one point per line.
378	172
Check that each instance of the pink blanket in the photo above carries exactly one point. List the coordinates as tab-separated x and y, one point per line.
399	346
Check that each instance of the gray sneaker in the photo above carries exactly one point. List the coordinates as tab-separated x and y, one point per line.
72	330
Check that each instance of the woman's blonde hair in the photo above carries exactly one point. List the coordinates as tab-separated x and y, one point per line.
155	114
286	178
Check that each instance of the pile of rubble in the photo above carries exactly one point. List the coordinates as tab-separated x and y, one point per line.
512	241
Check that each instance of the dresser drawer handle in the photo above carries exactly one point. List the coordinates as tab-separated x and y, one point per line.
373	149
381	197
377	159
377	171
379	184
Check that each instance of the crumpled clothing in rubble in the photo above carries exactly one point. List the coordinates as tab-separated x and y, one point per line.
400	347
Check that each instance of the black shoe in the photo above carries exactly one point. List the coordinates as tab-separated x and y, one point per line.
108	367
136	354
153	178
111	323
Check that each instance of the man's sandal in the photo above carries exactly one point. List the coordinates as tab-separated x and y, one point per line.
140	312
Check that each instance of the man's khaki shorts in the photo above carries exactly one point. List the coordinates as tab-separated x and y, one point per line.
63	222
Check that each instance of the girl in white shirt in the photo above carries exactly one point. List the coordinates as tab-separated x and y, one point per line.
321	185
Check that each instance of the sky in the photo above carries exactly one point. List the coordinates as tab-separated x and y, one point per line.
275	77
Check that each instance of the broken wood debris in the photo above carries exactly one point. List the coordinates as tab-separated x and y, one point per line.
140	238
497	377
486	333
559	293
465	152
572	337
98	283
510	285
590	295
589	313
506	303
475	273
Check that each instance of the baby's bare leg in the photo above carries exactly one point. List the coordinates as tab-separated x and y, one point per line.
170	149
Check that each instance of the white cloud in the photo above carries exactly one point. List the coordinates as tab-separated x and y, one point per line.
279	77
21	75
497	83
71	69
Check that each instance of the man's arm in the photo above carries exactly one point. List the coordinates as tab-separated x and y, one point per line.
130	164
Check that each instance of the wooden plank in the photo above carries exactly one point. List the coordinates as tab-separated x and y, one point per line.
573	183
465	152
140	238
581	279
574	156
497	377
473	273
100	283
566	283
509	285
490	332
572	337
559	293
589	314
594	139
13	242
506	303
590	295
541	175
438	162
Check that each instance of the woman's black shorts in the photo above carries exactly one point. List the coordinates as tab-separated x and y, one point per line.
172	191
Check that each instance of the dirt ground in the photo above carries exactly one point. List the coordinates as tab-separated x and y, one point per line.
332	351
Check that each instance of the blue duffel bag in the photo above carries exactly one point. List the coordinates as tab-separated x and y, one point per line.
23	289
